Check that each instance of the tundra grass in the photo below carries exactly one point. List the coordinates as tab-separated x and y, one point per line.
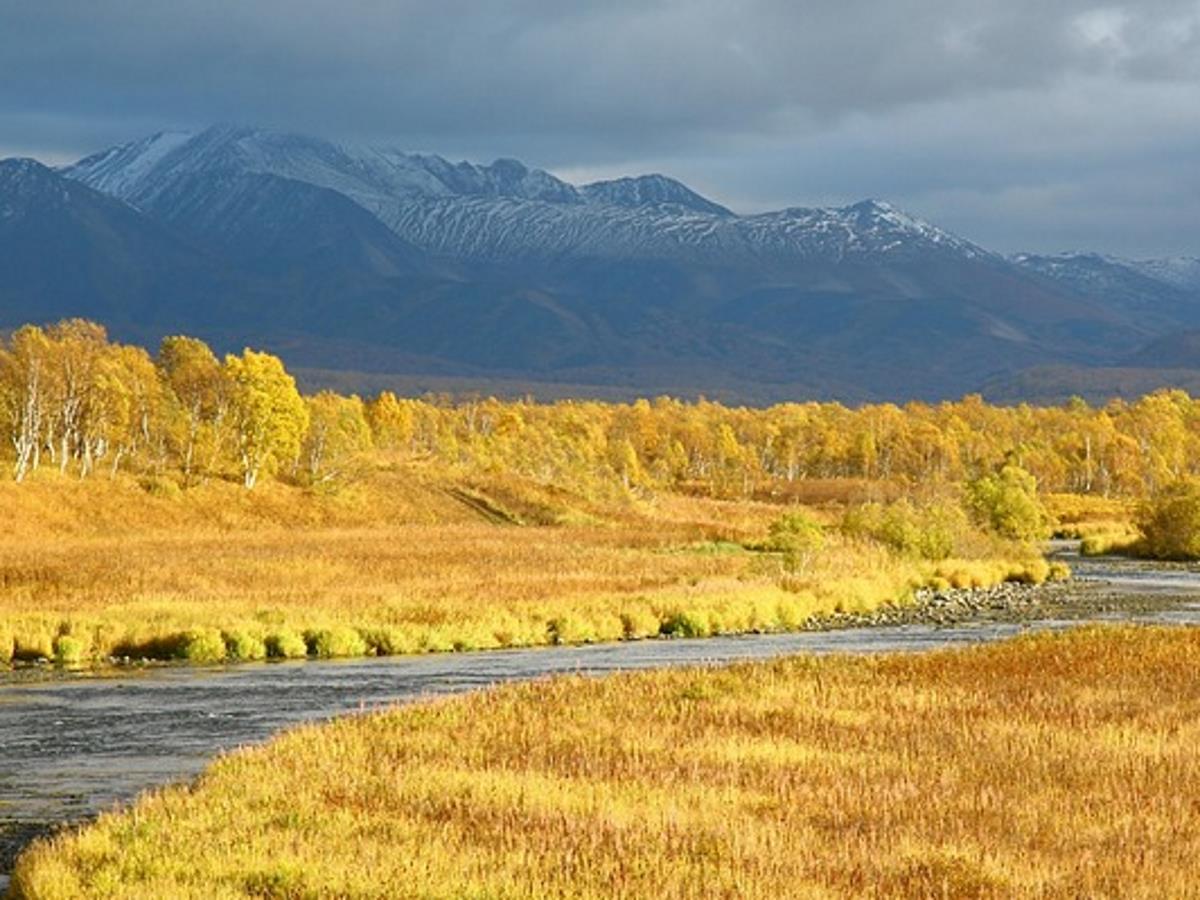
91	571
1120	542
1058	765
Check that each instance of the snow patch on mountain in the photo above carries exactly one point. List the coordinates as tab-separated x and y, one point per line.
1179	271
1103	271
139	170
650	190
118	170
506	210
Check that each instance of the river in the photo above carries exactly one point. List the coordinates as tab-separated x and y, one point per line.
72	745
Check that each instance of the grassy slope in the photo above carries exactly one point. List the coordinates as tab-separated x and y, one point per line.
1057	766
410	559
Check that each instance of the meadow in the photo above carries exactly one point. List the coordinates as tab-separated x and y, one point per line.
412	558
1055	765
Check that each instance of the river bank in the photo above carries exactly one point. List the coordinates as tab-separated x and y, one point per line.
1012	768
72	744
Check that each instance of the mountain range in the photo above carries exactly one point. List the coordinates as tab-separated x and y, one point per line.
368	265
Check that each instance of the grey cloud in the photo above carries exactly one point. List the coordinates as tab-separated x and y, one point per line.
530	67
762	101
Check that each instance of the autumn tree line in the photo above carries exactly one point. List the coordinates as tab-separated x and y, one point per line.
72	399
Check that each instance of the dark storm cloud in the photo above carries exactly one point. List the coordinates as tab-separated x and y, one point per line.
958	108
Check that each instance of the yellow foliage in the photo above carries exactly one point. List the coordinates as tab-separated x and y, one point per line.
72	400
270	417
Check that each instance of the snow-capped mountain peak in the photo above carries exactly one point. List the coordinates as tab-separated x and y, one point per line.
117	170
866	227
138	171
504	210
650	190
878	217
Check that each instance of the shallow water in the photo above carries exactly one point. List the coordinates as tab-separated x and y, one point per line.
71	745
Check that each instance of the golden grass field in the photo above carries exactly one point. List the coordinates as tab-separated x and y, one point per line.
1063	765
410	561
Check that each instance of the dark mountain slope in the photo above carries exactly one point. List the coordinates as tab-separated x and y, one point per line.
277	225
67	250
1177	350
1131	289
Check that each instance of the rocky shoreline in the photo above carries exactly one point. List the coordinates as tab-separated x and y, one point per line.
1007	602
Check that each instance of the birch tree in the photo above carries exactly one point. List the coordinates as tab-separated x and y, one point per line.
198	384
76	349
23	395
337	432
269	415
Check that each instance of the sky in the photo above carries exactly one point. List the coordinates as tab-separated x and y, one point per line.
1024	125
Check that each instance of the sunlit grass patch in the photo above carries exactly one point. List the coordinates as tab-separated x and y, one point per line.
1058	765
1081	515
334	642
1122	541
399	565
285	643
7	643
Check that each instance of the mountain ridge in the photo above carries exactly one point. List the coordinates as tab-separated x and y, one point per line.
358	257
440	205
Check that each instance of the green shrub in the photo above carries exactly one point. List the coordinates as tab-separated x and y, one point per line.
639	622
286	644
387	641
1007	503
202	645
507	630
70	649
338	641
1059	571
243	645
687	624
1104	544
795	532
435	640
929	531
570	630
796	537
1170	522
